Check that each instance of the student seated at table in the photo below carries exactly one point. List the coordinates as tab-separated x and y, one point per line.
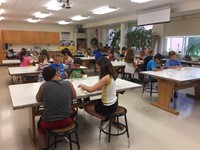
172	62
45	53
148	53
130	64
111	54
56	96
60	68
154	64
25	60
43	62
108	103
123	53
88	53
67	58
76	71
117	54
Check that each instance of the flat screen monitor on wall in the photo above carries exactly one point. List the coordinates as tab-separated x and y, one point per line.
155	16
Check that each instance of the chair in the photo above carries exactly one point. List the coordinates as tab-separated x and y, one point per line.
64	132
150	89
121	111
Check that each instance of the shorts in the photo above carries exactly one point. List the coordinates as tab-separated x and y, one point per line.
43	125
105	110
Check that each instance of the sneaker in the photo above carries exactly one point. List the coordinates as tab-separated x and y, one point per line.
104	124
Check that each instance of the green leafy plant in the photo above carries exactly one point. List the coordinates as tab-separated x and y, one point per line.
115	37
192	50
94	42
140	38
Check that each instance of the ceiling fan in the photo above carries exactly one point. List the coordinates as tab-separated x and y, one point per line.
65	4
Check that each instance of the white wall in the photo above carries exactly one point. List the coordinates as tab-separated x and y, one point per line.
183	26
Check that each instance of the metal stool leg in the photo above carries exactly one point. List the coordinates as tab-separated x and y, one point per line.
127	131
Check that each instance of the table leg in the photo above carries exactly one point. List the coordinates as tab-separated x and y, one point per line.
12	80
165	91
31	129
196	95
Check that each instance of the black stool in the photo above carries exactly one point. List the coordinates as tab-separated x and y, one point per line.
128	76
121	111
64	132
150	89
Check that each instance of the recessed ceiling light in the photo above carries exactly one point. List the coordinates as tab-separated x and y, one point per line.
1	18
41	15
33	20
63	22
78	18
140	1
53	5
104	10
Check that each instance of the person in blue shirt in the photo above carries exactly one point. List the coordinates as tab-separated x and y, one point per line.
154	63
60	68
173	62
97	54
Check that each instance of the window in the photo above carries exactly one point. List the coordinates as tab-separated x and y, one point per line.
180	44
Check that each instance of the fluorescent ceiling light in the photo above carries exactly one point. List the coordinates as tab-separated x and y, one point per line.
53	5
104	10
63	22
33	20
140	1
2	1
78	18
1	18
1	11
41	15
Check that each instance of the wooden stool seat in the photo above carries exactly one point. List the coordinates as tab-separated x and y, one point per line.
64	132
65	129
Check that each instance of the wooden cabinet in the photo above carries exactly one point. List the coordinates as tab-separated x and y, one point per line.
52	37
2	54
30	37
11	36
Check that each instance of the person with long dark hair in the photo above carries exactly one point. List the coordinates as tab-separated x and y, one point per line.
25	60
67	57
108	103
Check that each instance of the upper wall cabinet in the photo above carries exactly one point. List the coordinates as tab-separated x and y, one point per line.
10	36
31	37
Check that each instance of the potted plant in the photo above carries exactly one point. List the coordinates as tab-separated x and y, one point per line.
140	38
94	42
193	52
115	37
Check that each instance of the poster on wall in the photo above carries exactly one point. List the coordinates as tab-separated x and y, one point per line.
65	39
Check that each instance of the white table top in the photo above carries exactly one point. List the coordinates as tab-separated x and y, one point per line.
23	95
187	62
27	70
118	63
22	70
87	58
11	61
182	75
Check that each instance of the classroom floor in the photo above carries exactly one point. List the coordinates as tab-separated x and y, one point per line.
150	128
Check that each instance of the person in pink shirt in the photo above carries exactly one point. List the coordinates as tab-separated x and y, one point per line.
25	60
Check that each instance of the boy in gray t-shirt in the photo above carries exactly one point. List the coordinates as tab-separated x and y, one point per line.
57	96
